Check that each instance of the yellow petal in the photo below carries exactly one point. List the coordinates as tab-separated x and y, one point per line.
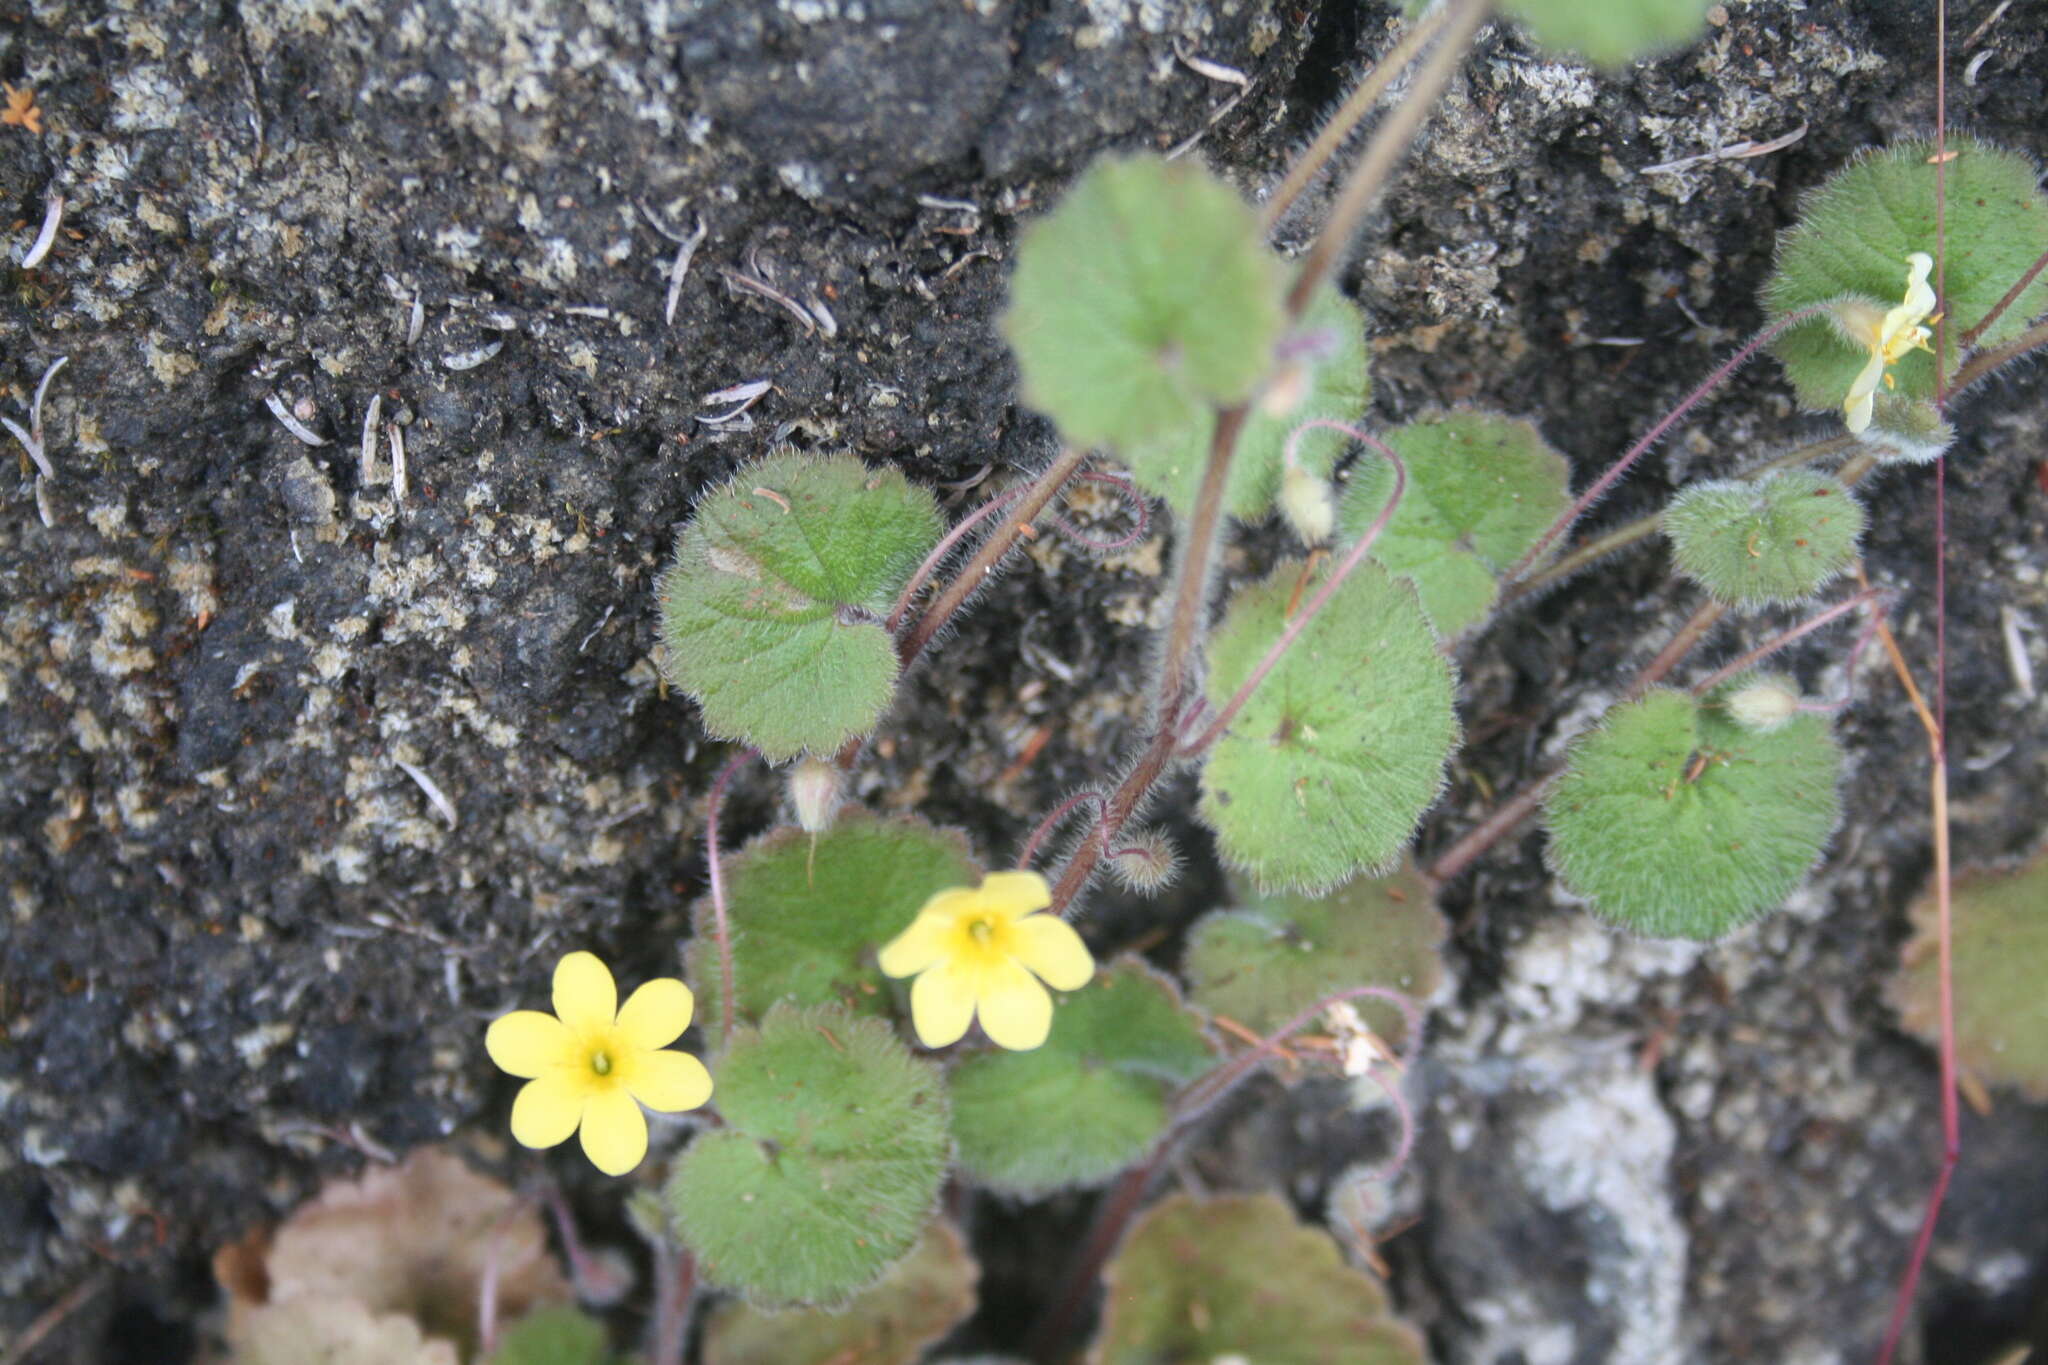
614	1132
548	1110
941	1005
656	1014
943	907
584	994
667	1082
1049	946
1016	1011
529	1043
1856	412
1013	895
917	947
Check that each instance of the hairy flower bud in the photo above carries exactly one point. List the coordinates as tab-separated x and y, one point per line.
815	789
1764	705
1306	502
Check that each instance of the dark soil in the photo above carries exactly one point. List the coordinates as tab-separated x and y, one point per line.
235	926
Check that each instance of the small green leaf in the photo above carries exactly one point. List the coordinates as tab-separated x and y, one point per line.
1088	1103
1268	962
927	1294
1333	760
552	1336
1611	33
1236	1277
807	922
1676	821
1481	489
828	1168
1332	380
772	611
1853	238
2000	944
1146	298
1779	539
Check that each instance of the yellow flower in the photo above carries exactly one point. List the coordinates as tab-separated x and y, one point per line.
1889	338
592	1064
975	950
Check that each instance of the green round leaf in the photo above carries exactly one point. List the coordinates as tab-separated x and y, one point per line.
1088	1103
772	611
1855	233
1334	381
1268	962
828	1168
1675	821
1999	923
1238	1277
1779	539
1146	298
552	1336
928	1293
1611	33
806	922
1333	760
1481	489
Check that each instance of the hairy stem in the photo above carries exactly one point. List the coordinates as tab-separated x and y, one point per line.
1190	604
2012	296
955	593
1751	658
1656	433
1499	822
1356	106
1984	362
1644	527
1301	619
1389	143
946	547
675	1273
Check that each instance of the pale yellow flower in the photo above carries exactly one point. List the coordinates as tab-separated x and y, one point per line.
985	951
592	1064
1889	338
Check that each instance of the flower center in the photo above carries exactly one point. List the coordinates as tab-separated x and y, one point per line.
983	931
601	1062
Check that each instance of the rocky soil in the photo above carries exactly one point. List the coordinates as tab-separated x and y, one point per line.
236	664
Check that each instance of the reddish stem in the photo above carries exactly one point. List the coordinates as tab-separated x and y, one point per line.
1141	512
1777	642
1937	734
1052	818
946	547
1329	589
1653	435
675	1296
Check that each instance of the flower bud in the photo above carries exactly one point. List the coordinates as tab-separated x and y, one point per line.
815	789
1306	502
1763	705
1147	863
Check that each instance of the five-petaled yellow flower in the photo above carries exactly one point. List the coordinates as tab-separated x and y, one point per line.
1889	338
592	1064
984	950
